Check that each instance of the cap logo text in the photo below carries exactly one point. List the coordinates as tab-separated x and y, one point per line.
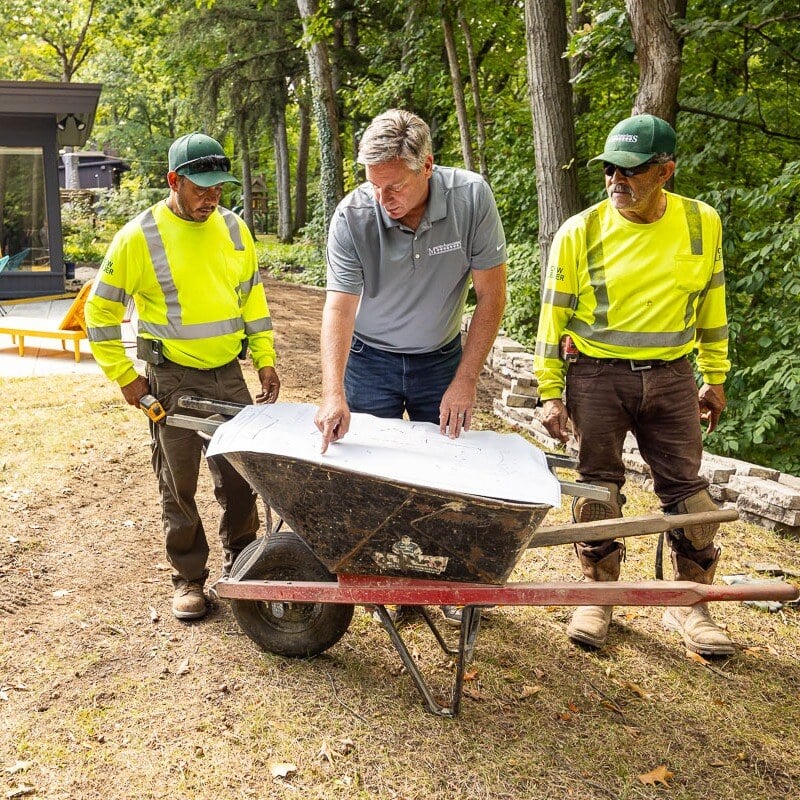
624	137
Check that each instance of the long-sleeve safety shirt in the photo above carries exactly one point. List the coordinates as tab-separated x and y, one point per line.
196	288
628	290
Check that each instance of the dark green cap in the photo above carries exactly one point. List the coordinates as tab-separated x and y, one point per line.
201	159
636	140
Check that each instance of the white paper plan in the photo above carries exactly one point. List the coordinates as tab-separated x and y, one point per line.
504	466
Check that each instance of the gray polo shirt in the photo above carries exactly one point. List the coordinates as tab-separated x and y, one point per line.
413	284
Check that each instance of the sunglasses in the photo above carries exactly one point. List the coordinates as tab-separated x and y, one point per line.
628	172
205	164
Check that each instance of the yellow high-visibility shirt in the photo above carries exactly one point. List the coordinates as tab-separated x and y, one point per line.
635	291
196	288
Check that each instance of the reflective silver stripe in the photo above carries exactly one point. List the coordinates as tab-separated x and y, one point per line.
632	338
595	261
158	255
113	293
599	330
174	327
546	350
201	330
560	299
232	221
258	326
108	333
717	279
708	335
695	224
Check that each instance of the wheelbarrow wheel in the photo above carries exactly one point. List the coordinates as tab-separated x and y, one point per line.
298	630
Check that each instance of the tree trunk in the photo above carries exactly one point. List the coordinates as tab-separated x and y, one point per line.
581	101
325	115
480	127
240	125
301	170
658	53
458	88
282	175
553	122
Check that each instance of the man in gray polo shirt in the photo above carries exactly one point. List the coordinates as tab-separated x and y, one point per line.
402	248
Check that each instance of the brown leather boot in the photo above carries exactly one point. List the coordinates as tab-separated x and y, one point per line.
699	631
589	624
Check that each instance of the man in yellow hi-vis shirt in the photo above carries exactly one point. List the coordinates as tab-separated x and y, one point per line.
634	285
191	268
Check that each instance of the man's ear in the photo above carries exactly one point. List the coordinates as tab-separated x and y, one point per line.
667	171
172	180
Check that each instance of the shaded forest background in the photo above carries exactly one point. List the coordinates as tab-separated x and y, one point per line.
523	92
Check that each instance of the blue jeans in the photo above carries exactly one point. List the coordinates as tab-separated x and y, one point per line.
387	384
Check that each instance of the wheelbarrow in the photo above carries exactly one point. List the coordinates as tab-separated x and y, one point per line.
346	536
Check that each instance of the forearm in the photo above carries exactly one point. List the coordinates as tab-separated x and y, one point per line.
338	322
483	329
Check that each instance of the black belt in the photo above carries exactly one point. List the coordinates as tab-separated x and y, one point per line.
633	364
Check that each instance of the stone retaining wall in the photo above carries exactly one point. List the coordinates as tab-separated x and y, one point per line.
761	495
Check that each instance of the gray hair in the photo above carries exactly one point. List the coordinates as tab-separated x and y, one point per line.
396	134
662	158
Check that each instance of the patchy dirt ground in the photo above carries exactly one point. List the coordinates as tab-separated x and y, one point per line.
104	694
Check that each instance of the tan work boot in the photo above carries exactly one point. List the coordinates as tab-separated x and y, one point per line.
589	624
188	601
699	631
587	509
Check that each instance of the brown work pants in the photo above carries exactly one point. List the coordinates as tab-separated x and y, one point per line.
659	405
176	456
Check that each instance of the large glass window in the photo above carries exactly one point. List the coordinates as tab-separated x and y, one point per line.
23	210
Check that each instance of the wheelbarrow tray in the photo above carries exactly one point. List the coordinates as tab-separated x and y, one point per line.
366	525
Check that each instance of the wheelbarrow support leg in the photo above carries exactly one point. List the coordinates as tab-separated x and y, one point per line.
470	627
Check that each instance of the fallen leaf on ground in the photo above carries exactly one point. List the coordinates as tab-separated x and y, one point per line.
529	691
659	775
282	770
20	791
183	667
470	674
696	657
325	752
19	766
637	690
61	593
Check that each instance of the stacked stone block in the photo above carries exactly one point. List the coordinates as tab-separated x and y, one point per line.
761	495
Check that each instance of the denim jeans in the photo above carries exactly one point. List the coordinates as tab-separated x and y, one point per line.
659	405
387	384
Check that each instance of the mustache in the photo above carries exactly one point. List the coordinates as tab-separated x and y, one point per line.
621	187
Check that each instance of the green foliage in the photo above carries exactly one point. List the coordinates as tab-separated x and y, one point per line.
299	262
89	221
522	306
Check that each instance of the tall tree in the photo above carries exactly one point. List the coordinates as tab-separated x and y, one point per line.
553	124
658	53
458	86
316	28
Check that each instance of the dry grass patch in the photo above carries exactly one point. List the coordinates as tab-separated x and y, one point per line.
104	694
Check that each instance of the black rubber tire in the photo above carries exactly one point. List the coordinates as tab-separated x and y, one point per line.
298	630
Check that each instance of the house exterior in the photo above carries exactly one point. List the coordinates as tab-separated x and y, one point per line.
92	170
37	120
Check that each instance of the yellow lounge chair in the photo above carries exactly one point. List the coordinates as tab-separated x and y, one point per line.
71	328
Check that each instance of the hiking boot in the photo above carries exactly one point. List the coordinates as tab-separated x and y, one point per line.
188	601
589	624
699	631
694	623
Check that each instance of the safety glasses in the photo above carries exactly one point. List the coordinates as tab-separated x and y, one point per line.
628	172
204	164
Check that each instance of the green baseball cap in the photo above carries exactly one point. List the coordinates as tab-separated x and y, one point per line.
201	159
636	140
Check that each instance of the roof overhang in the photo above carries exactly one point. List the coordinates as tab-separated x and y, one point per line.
71	105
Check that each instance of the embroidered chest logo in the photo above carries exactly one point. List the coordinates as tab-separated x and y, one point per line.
440	249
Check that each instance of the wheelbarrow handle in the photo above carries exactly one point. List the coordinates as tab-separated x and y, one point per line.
227	409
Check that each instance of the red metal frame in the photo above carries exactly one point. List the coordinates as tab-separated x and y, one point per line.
381	590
